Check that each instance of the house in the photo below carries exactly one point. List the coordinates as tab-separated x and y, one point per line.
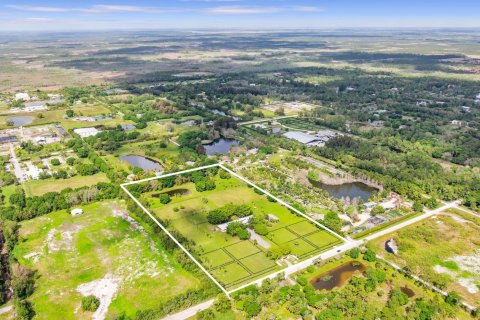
86	132
466	109
244	220
456	123
76	212
40	140
370	205
22	96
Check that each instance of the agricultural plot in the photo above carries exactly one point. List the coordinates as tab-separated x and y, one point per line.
274	231
301	124
443	250
99	253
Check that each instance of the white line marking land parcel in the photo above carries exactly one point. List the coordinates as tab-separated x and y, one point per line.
199	264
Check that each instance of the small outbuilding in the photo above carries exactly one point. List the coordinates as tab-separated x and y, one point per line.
76	212
272	218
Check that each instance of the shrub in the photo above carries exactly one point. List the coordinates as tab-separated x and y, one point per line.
90	303
164	198
55	162
354	253
369	255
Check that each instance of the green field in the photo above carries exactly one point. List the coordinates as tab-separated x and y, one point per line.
233	261
39	187
301	124
71	252
442	250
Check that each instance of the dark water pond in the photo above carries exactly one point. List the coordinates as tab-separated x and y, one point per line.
337	276
141	162
351	190
20	120
220	146
174	193
409	292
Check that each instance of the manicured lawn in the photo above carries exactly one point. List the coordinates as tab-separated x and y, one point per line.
216	258
281	236
242	249
71	251
258	262
220	252
39	187
303	228
230	273
322	239
300	247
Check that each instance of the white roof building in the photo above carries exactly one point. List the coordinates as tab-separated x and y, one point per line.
86	132
300	137
76	212
22	96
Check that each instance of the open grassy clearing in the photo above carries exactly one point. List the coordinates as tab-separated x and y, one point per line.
233	261
444	250
301	124
99	245
39	187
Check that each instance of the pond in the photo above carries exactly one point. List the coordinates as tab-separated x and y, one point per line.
409	292
174	193
141	162
337	276
20	120
351	190
220	146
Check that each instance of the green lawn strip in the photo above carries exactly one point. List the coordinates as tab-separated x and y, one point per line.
216	258
206	236
258	262
230	273
321	239
303	228
300	247
39	187
281	235
242	249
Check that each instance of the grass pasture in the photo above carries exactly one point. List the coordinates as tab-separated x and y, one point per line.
301	124
443	250
230	260
70	252
39	187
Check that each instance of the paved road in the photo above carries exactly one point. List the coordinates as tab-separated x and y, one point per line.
350	244
403	224
190	312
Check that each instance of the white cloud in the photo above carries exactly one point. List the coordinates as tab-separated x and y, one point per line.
243	10
37	9
41	20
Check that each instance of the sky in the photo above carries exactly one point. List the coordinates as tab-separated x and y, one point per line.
48	15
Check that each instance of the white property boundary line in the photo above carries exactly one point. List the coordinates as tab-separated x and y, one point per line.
123	186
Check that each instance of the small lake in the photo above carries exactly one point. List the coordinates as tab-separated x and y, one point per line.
220	146
141	162
174	193
20	120
351	190
337	276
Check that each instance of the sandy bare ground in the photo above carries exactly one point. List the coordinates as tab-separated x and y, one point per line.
104	289
469	264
